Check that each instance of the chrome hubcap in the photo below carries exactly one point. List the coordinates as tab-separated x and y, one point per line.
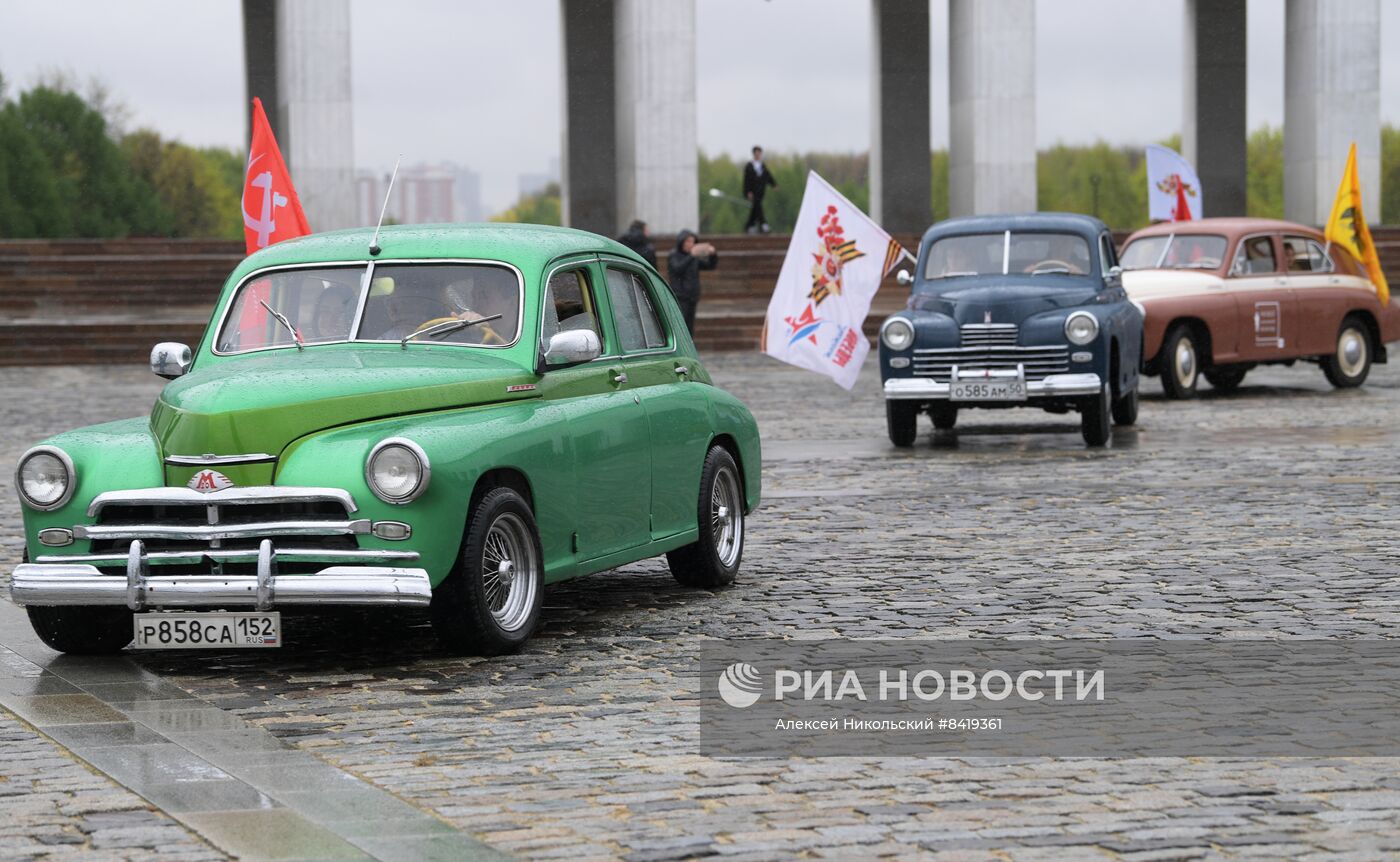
1351	352
1185	362
508	571
727	517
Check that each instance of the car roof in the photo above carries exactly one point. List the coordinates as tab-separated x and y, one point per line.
1230	226
528	246
1088	226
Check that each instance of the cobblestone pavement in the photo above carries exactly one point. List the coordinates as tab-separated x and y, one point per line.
1269	513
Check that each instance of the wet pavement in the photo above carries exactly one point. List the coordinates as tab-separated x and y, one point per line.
1268	513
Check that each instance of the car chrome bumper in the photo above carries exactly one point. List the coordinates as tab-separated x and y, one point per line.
1054	386
62	583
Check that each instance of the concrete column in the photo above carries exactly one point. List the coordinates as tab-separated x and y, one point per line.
901	177
1213	133
1331	98
657	143
589	163
991	84
298	62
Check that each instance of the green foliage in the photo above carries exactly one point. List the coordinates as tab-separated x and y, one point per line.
848	172
1264	173
1390	177
1100	180
539	208
200	189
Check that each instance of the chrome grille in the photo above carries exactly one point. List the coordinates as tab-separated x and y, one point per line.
220	532
1039	362
990	334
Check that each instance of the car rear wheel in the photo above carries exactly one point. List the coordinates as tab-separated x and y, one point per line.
1125	409
1094	418
944	416
1350	363
490	603
902	419
712	560
1227	378
1181	363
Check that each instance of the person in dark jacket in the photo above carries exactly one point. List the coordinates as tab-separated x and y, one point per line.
684	265
639	240
757	179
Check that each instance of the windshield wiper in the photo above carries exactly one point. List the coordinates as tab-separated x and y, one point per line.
955	274
282	319
446	328
1054	270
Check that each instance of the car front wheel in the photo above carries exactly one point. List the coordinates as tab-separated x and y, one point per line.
1227	378
902	419
1125	408
712	560
1095	419
1350	363
490	603
944	416
82	630
1181	363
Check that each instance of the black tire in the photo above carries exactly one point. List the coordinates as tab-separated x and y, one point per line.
82	630
944	416
712	560
902	419
1125	409
1181	362
476	612
1350	362
1226	378
1094	418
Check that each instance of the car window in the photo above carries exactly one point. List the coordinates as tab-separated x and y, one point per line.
406	297
1301	254
568	305
1008	252
1107	260
638	326
1255	256
318	303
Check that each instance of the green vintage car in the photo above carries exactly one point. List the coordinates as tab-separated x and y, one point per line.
450	416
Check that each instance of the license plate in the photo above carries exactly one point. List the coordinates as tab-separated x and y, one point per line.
987	390
207	631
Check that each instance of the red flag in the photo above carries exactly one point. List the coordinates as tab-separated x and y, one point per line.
271	211
1182	210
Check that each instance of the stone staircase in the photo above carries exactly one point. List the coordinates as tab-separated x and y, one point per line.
108	301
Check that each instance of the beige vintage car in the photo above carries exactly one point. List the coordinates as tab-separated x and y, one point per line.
1223	295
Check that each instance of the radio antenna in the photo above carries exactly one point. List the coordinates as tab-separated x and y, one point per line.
374	248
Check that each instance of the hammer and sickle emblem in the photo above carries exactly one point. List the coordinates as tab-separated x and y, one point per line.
267	224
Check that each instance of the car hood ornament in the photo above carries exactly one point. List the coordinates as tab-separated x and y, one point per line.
206	481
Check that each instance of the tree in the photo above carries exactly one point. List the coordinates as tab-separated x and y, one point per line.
194	186
1389	208
539	208
30	204
1264	173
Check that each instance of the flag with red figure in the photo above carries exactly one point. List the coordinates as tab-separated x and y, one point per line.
271	210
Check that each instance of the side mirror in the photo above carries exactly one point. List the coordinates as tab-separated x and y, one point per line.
904	277
170	359
1115	272
572	346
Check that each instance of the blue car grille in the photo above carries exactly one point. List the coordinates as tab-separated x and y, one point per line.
1038	361
990	334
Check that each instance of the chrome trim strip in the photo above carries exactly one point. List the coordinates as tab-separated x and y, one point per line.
218	460
1054	386
67	465
227	497
43	584
249	555
222	531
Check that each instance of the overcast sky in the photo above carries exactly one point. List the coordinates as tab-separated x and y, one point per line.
478	82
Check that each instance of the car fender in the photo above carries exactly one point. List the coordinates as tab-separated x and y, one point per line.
731	418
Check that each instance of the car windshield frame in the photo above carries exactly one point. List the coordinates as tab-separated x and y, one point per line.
1160	262
366	283
1007	237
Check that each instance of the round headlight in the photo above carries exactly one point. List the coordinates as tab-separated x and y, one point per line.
1081	327
897	334
397	470
45	478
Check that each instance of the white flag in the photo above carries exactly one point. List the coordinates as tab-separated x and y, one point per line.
1165	168
834	265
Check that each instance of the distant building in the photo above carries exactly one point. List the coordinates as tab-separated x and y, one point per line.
534	183
423	194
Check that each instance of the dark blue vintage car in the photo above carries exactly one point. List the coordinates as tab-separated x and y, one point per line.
1014	311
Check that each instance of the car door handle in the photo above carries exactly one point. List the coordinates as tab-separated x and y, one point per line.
620	378
683	370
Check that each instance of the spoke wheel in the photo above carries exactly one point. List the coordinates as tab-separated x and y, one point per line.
490	603
712	560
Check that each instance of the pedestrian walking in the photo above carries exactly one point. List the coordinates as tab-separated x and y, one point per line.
689	257
757	179
638	238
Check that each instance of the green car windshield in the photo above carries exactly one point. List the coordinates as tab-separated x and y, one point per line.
1005	253
334	304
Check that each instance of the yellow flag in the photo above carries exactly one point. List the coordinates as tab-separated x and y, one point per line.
1346	227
